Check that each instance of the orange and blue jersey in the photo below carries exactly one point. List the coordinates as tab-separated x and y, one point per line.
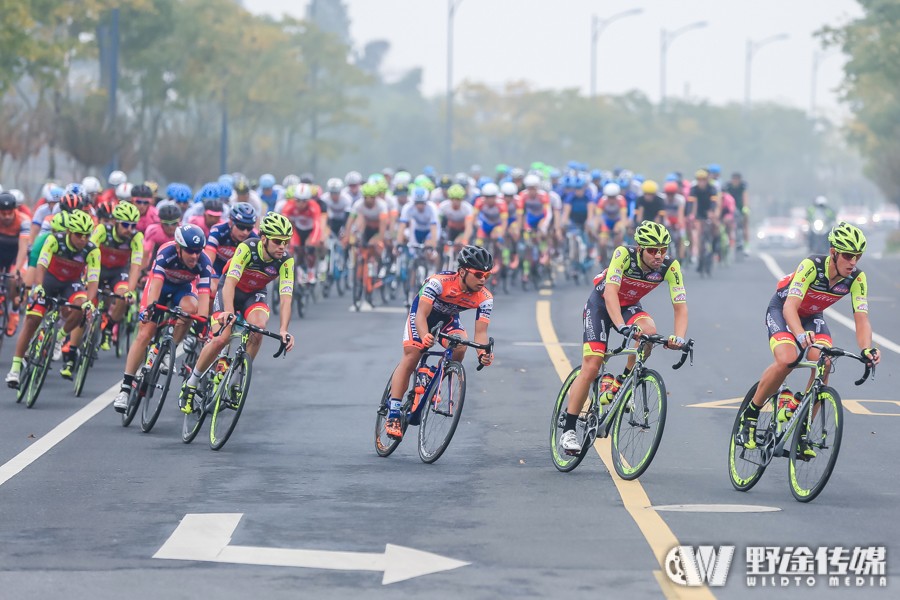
222	246
444	292
169	268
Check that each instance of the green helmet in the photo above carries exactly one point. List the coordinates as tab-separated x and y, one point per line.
845	237
456	192
60	222
275	225
80	222
650	233
423	181
370	189
127	212
290	192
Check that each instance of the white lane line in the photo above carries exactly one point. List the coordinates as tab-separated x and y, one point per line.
775	270
44	444
542	344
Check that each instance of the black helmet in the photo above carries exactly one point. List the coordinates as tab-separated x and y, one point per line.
142	191
170	213
475	257
7	201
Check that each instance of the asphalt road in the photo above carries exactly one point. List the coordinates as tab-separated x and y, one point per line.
84	519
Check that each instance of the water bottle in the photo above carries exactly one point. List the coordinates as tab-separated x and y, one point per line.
151	356
787	404
422	377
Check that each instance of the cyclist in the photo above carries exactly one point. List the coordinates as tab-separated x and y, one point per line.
243	193
307	219
121	245
176	268
457	216
212	215
614	304
254	265
819	211
159	234
14	238
418	220
267	193
142	197
702	205
737	187
443	296
369	214
795	316
491	213
673	204
650	206
224	238
613	212
64	259
337	205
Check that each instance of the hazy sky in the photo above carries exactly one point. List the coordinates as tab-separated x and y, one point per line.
547	42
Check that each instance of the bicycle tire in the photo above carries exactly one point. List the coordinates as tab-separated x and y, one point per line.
151	410
90	341
755	468
41	367
640	405
218	437
384	444
5	307
134	398
430	412
830	403
562	461
357	283
193	422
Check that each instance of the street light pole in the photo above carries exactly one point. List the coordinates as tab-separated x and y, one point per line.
452	5
665	40
597	27
752	49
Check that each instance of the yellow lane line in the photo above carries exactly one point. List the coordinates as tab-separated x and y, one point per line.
637	503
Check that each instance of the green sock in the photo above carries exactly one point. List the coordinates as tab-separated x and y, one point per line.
16	364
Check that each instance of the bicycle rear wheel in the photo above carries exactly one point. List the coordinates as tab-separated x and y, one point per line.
158	383
441	412
229	400
745	467
808	476
192	422
385	444
42	358
585	427
638	426
90	342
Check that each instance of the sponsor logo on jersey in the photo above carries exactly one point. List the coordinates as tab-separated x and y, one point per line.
841	288
654	276
680	298
271	270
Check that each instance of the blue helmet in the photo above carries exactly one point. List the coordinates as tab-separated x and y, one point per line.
267	181
170	190
428	170
420	194
190	237
580	182
181	193
225	190
671	177
226	178
714	168
573	165
210	191
243	213
596	174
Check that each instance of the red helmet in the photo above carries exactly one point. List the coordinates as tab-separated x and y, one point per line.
671	188
70	202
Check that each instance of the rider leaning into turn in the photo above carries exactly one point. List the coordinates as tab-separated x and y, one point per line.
795	316
615	304
255	263
443	296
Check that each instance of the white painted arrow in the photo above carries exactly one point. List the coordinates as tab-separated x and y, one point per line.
206	537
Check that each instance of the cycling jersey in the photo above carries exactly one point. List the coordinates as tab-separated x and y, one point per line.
810	283
651	207
67	264
421	220
737	192
253	272
155	238
534	205
200	221
337	209
456	218
634	283
371	215
579	205
173	272
445	293
147	219
223	245
705	199
43	214
352	198
671	204
9	240
116	253
611	208
491	214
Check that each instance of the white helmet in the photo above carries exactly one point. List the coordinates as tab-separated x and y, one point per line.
117	178
290	180
611	189
91	185
531	180
353	178
123	191
490	189
19	196
303	191
509	188
334	185
402	178
821	200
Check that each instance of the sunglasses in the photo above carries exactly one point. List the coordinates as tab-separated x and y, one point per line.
280	241
142	202
192	251
479	274
127	225
850	255
656	251
243	227
170	223
79	235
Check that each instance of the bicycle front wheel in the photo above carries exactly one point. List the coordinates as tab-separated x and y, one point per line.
229	400
638	426
441	412
158	381
38	370
384	444
585	426
89	345
192	422
809	474
745	467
